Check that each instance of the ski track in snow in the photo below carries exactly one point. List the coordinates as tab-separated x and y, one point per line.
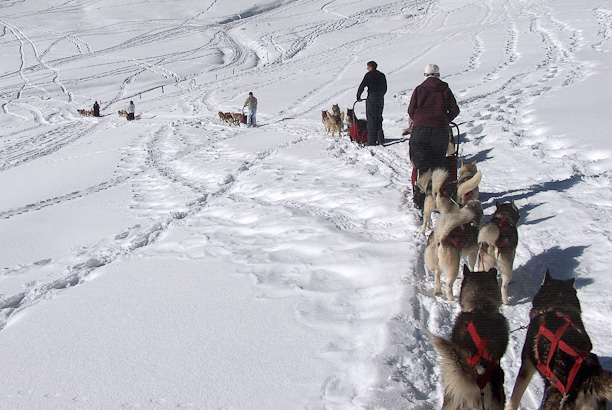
171	186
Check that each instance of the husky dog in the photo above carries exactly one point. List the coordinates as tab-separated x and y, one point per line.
467	184
226	117
451	143
326	121
349	118
472	376
237	118
85	113
555	320
424	183
438	194
455	235
498	239
336	120
122	113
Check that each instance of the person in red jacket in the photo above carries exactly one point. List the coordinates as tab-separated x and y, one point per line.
432	107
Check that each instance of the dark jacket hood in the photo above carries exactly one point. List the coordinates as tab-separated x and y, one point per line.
434	84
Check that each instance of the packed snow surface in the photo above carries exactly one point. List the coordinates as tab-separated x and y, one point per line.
176	261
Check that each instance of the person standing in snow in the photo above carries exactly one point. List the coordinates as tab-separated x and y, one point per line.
96	109
432	107
131	109
376	82
251	104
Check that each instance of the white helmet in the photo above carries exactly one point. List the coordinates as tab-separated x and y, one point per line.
432	70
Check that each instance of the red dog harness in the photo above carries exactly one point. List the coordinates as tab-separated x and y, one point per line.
482	353
557	343
458	236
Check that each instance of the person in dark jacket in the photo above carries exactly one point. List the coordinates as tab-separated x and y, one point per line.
432	107
377	87
96	109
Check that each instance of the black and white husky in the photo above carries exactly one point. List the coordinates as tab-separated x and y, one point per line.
559	348
470	360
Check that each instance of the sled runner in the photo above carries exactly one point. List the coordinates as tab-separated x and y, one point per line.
359	129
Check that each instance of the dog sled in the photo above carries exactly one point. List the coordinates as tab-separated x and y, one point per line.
358	131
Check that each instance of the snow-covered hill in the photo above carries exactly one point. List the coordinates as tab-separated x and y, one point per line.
176	261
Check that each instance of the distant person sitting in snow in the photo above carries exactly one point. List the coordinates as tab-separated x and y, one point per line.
96	109
131	109
432	107
251	104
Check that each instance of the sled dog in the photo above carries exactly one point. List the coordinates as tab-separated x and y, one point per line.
438	194
325	119
226	117
559	348
467	184
470	360
122	113
497	240
349	118
336	120
85	113
455	235
237	118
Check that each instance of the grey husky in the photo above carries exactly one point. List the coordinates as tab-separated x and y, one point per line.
470	361
558	347
498	239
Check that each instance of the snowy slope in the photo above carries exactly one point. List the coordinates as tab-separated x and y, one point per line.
176	261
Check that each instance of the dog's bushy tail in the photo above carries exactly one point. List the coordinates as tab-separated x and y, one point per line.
599	387
438	178
469	185
459	377
452	220
423	181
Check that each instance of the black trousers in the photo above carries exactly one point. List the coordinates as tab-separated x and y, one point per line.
428	148
375	104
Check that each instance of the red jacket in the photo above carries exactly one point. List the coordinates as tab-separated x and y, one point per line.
433	104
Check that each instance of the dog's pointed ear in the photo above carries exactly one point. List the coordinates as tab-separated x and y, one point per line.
548	276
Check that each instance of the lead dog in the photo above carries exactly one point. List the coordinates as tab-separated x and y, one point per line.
498	239
470	360
558	347
336	120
